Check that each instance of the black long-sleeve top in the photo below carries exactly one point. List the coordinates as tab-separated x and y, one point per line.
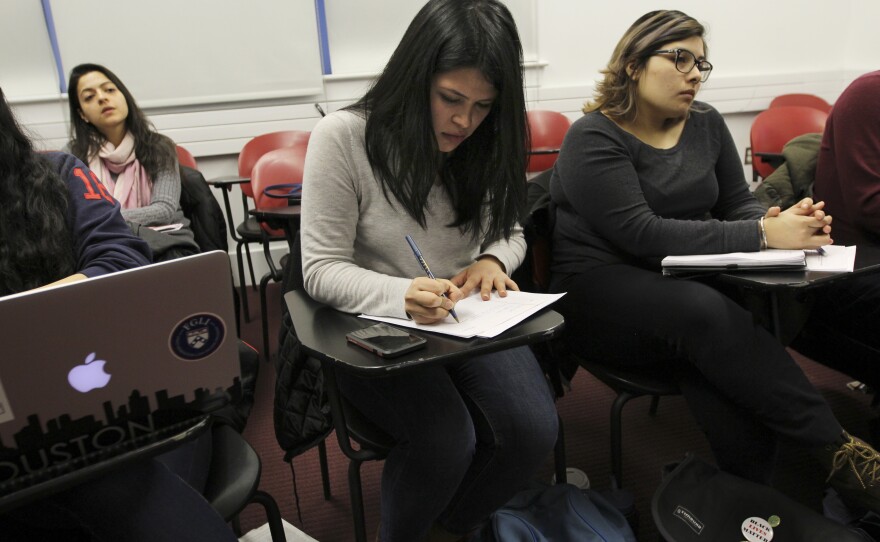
619	200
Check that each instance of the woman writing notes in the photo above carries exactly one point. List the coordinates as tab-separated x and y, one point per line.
137	165
433	150
650	172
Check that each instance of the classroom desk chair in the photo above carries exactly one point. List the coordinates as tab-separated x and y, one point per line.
249	230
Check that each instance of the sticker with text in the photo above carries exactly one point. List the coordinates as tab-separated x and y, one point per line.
757	530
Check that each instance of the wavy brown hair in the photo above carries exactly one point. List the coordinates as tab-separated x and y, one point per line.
154	151
617	93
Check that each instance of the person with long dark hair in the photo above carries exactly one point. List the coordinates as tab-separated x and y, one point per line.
435	149
59	224
138	165
650	172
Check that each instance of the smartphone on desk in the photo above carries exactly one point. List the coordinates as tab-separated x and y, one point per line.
385	341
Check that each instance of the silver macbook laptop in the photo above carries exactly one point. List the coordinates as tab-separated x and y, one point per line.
105	367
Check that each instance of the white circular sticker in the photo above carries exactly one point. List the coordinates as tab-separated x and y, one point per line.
757	530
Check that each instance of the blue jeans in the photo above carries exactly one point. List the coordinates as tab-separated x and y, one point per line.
469	435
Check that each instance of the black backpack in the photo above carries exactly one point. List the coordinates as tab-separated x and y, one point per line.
204	213
302	411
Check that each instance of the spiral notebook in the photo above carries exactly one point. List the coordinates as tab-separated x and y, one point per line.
736	261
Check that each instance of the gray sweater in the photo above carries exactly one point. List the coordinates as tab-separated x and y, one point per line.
619	200
164	207
355	255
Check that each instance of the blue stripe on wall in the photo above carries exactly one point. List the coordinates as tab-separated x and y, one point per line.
322	37
50	27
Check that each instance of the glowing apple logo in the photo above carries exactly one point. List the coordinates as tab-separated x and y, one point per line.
89	375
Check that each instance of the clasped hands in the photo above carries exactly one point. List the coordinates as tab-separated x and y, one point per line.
423	299
804	225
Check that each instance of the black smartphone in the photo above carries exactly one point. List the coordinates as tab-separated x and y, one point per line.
384	340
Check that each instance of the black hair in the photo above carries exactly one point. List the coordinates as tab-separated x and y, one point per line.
488	168
154	151
36	246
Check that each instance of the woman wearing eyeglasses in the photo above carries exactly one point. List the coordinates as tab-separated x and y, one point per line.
649	172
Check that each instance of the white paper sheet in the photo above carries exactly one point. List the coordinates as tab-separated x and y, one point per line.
480	318
836	258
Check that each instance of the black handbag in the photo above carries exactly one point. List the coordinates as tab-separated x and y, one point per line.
697	502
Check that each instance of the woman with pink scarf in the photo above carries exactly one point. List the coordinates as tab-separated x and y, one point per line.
136	164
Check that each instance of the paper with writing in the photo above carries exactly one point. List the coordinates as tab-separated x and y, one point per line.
480	318
836	258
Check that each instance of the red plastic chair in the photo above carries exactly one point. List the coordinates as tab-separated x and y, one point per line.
547	130
805	100
260	145
249	231
185	158
282	166
775	127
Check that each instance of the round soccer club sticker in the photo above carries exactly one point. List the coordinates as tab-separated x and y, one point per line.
197	336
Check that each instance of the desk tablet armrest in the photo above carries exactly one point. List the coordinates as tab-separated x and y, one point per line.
227	181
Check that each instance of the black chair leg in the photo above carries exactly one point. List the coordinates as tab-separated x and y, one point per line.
264	314
357	501
325	470
559	454
273	514
617	437
247	251
242	286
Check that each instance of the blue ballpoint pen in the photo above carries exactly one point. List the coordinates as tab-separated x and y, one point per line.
424	264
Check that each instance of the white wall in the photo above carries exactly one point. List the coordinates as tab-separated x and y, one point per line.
759	48
862	48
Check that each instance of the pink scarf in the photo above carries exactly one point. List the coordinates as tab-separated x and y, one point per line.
132	187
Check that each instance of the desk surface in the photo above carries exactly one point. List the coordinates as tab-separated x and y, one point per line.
227	182
321	330
276	213
867	261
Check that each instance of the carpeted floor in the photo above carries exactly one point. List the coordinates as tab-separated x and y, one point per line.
648	444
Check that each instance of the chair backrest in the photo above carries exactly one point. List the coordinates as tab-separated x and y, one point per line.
775	127
279	166
260	145
547	130
534	273
185	158
805	100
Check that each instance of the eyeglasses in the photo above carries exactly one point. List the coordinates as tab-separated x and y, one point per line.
686	60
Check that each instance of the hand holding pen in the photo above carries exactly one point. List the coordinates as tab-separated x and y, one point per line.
424	265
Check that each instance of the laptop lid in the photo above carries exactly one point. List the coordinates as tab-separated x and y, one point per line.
92	365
